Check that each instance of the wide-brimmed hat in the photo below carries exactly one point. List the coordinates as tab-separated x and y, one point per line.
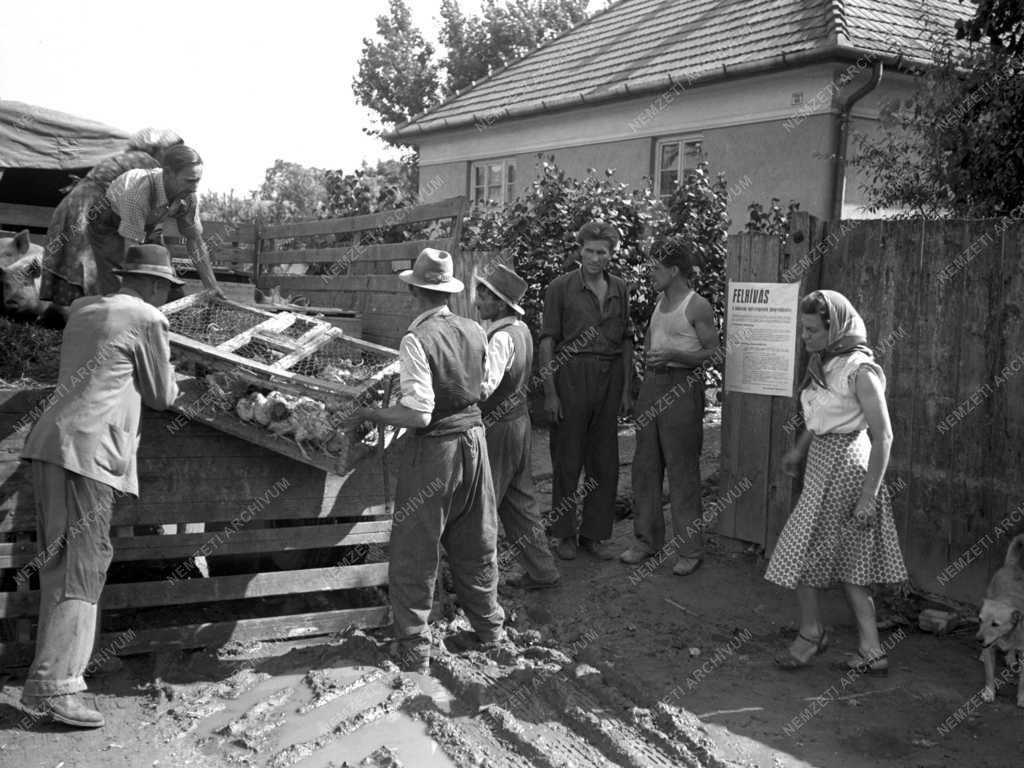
506	285
150	260
433	271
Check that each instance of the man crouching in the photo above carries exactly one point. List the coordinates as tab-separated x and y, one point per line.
114	356
445	496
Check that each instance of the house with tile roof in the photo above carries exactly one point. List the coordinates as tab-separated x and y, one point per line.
767	91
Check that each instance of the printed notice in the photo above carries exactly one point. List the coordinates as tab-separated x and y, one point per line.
760	346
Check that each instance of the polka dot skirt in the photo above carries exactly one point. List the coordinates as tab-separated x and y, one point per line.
821	544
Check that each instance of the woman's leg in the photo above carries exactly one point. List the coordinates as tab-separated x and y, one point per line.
811	631
867	628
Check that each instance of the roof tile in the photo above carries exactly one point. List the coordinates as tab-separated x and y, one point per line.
636	43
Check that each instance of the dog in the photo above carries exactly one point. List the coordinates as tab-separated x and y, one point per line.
1002	619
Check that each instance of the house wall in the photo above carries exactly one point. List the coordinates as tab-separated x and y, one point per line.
751	130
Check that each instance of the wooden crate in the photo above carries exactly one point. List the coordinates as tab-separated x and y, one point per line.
299	356
245	495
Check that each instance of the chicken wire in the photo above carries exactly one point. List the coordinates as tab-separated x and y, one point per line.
338	361
213	323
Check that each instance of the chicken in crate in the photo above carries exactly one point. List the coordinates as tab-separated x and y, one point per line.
280	380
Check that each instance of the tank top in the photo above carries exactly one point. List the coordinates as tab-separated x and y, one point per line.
672	330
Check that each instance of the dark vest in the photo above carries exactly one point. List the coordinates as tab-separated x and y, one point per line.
510	400
455	348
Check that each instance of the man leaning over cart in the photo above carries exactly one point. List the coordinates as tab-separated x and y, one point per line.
445	496
114	356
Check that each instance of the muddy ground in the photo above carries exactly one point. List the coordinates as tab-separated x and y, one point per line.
593	676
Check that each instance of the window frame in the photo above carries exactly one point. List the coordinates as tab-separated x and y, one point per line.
506	184
681	169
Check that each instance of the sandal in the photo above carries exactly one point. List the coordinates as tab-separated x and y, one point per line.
862	665
790	662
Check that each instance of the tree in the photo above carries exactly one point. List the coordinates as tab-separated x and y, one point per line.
293	191
500	35
1001	21
958	149
397	75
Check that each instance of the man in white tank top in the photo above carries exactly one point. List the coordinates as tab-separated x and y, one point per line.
681	337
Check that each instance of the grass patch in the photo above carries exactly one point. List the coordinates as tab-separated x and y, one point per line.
28	354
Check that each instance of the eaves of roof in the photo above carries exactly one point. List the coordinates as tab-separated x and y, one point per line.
409	132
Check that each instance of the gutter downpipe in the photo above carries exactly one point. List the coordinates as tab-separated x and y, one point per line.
843	138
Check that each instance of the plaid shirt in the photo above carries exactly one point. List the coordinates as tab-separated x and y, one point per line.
138	197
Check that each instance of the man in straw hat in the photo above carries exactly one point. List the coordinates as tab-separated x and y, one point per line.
507	418
444	495
114	356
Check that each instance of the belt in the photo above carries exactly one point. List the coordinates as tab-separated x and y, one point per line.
667	368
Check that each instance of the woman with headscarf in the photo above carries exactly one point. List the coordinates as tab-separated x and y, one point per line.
68	261
841	530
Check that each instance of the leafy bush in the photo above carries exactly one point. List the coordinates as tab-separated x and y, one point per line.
539	230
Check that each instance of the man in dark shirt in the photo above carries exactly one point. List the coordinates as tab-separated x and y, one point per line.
586	359
445	496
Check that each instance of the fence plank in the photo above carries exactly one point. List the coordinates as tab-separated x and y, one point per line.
443	209
351	255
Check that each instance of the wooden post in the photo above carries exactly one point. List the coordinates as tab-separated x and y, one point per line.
800	261
758	429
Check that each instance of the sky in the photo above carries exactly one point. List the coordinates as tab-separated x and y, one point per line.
243	83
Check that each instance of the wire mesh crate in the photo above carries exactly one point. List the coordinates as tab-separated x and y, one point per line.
283	381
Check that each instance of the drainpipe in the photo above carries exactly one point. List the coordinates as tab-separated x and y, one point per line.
843	137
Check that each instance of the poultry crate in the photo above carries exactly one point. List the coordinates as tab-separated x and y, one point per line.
280	380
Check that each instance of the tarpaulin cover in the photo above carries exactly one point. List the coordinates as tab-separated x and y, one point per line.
35	137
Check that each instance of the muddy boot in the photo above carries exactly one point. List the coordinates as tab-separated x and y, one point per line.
412	655
66	708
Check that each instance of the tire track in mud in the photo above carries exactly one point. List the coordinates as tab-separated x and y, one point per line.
513	706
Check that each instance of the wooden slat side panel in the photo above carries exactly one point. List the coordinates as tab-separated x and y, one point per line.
223	542
146	594
219	633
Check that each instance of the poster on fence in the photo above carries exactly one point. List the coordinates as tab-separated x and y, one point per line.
760	345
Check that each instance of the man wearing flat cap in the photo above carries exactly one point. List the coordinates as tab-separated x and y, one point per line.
509	430
444	495
114	356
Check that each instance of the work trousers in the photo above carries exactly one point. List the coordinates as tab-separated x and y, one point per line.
74	552
445	498
670	427
508	445
590	390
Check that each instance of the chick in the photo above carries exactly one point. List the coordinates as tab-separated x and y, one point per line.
260	409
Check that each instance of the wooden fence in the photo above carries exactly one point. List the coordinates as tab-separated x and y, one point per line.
944	309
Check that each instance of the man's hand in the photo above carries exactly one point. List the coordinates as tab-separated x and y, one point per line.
355	417
553	408
626	404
